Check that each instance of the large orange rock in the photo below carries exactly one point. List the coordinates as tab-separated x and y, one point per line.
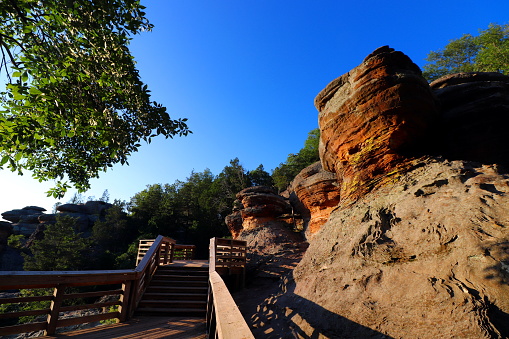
370	117
314	193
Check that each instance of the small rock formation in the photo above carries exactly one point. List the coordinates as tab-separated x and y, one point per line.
370	116
313	194
255	207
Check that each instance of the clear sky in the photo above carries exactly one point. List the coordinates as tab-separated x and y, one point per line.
245	74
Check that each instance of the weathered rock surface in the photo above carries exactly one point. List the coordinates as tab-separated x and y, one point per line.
269	247
25	212
426	257
256	207
370	116
474	117
314	193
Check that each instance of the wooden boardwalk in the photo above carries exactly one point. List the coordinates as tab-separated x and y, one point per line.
143	327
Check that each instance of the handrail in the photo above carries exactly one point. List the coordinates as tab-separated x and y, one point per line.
223	318
133	284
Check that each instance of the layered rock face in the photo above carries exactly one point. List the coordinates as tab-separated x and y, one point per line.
370	116
24	221
427	257
27	220
256	206
417	245
314	193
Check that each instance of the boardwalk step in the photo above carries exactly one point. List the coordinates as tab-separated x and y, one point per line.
177	289
171	277
175	296
191	304
162	282
185	269
171	312
182	273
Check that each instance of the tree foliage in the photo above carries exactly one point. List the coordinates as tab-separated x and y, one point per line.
286	172
61	249
74	103
487	52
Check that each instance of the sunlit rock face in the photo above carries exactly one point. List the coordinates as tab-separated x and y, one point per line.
314	193
256	206
425	257
474	117
370	116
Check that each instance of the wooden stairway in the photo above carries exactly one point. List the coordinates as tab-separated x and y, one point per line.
176	291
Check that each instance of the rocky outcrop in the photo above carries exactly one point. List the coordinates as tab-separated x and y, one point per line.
370	116
474	117
255	207
426	257
418	244
24	221
313	194
27	220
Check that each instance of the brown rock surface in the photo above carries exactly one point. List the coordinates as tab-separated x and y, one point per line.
370	116
427	257
314	193
474	117
256	207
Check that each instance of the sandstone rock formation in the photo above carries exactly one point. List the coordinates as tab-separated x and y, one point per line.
256	206
370	116
28	219
418	244
426	257
314	193
24	221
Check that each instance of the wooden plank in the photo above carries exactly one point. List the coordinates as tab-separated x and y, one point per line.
124	300
230	323
87	319
91	294
143	327
16	300
45	279
88	306
23	328
54	310
212	255
9	315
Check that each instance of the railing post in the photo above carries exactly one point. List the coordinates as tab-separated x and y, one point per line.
125	300
52	319
166	250
212	255
172	251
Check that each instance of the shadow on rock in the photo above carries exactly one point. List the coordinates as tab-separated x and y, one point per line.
288	315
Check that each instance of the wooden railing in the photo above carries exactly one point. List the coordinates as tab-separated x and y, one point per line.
171	252
223	319
126	286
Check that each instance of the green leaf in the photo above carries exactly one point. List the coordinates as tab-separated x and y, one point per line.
34	91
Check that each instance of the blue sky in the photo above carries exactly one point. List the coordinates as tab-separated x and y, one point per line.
245	73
